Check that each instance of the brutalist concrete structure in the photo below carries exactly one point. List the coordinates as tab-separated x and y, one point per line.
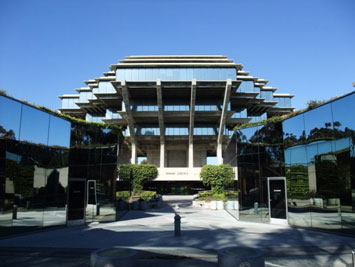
176	110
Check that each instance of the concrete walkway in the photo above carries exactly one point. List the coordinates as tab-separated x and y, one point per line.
203	233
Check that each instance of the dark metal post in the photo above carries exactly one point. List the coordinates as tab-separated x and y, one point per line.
14	212
97	209
177	222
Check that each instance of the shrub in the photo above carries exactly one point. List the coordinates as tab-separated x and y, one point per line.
219	196
124	172
217	177
147	195
137	175
231	195
205	195
124	195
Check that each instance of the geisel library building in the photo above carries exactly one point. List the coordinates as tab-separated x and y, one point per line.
179	113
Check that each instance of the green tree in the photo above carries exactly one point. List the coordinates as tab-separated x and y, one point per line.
137	175
218	177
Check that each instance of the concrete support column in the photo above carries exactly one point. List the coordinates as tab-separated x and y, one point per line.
191	155
219	154
162	155
226	99
192	123
133	153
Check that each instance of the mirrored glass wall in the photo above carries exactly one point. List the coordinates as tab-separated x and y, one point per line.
33	167
319	162
93	159
315	151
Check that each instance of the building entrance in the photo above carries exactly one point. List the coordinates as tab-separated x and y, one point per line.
76	201
277	199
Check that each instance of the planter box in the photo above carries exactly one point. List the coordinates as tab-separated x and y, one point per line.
216	205
213	205
232	205
220	205
143	205
318	202
135	205
122	205
333	202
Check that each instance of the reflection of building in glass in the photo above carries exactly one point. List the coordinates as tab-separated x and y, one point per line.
313	150
177	111
40	155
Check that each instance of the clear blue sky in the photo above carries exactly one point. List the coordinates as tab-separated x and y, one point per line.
303	47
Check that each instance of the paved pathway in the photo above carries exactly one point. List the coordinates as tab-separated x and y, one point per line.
203	232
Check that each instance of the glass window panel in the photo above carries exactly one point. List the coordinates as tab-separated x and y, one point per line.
150	75
59	132
34	125
118	74
134	74
294	131
343	118
318	124
10	111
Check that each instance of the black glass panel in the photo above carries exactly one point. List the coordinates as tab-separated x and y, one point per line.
76	204
277	199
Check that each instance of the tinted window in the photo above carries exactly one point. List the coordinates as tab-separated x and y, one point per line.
34	125
10	113
59	132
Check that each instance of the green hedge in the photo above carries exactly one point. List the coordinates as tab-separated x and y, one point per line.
124	195
137	175
227	195
218	177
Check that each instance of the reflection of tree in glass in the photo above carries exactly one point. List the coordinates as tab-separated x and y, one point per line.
10	134
297	181
333	174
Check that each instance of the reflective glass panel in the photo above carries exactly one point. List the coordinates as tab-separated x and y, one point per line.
59	132
34	125
175	74
343	117
10	114
318	124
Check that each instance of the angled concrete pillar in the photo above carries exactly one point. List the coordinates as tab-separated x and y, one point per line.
192	123
162	155
219	154
226	99
161	122
130	120
133	153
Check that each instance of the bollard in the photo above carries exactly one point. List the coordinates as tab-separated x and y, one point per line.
14	212
177	222
97	209
256	206
339	211
353	252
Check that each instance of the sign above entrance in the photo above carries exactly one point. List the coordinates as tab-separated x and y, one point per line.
181	174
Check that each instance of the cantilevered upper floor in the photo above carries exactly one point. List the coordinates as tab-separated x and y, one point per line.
250	98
